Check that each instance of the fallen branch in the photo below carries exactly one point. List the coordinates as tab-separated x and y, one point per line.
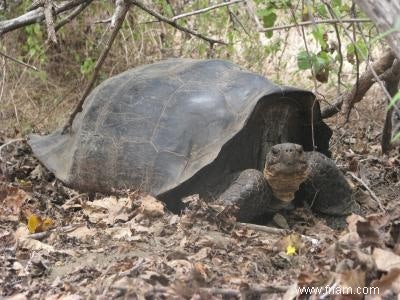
19	61
36	16
174	24
44	234
278	231
373	195
307	23
119	20
203	10
248	293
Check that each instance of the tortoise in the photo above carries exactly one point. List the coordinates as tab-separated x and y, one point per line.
184	126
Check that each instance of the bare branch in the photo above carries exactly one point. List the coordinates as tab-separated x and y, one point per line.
371	192
339	49
48	16
72	15
99	63
357	92
203	10
391	78
307	23
19	61
36	16
174	24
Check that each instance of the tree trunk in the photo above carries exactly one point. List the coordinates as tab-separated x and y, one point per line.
386	16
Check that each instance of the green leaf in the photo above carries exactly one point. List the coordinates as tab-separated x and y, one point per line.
322	11
269	17
350	49
304	60
336	3
318	34
360	47
87	66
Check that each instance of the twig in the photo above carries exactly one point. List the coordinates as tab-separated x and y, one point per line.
203	10
353	14
277	231
3	79
256	290
44	234
373	195
72	15
307	23
96	70
7	144
303	35
339	50
259	290
19	61
108	20
174	24
36	16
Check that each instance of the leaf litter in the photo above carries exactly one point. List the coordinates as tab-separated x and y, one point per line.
59	244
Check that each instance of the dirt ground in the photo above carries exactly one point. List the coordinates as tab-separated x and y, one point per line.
59	244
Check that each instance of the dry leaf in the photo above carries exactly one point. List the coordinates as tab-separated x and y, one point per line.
352	222
350	281
35	245
20	296
119	233
389	281
108	210
311	280
151	207
11	201
82	232
38	224
200	255
368	234
386	260
200	272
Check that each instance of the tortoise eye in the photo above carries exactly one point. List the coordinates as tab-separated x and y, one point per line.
274	151
299	149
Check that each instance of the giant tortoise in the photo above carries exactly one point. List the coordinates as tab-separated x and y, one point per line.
185	126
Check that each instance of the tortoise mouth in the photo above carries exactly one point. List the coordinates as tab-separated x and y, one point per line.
285	169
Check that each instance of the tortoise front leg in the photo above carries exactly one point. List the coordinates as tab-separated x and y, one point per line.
252	194
326	190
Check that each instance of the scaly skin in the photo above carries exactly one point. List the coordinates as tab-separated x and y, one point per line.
323	186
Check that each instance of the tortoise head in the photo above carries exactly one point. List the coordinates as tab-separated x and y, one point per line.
285	169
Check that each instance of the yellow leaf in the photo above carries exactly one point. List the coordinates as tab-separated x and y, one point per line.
47	223
291	250
37	224
34	223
